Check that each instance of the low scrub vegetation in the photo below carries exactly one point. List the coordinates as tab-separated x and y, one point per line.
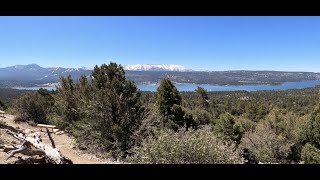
186	147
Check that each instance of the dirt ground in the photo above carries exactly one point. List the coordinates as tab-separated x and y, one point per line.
64	142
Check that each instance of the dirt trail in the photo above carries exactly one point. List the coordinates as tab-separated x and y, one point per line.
64	143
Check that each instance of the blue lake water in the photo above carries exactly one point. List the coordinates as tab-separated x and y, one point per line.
192	87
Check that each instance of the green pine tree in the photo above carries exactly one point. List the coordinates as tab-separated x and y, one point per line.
312	129
167	95
203	98
115	107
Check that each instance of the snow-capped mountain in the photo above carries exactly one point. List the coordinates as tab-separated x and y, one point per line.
33	72
156	67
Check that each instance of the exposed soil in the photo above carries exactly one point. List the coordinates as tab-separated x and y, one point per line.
64	142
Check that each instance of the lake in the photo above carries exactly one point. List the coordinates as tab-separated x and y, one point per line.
192	87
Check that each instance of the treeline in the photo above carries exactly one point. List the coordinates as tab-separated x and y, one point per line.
222	77
109	116
8	95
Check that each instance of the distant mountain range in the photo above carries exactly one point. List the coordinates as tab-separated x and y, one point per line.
36	72
157	67
35	75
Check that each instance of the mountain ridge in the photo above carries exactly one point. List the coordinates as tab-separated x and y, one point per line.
133	67
34	75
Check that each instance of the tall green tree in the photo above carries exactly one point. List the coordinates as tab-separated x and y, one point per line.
168	100
228	128
312	129
67	101
203	98
105	111
167	95
115	106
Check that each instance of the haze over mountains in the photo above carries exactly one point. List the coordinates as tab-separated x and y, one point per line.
33	75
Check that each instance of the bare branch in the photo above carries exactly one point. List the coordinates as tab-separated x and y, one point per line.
26	151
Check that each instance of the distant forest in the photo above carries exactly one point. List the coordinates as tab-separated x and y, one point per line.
196	77
109	117
222	77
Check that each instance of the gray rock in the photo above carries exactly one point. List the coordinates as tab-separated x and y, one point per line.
59	132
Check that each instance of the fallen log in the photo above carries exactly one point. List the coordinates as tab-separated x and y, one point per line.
7	148
32	145
26	151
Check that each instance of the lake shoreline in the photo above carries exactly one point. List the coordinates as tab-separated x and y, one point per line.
189	87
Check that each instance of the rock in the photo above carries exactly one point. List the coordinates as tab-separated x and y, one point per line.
13	142
59	132
18	127
27	131
56	130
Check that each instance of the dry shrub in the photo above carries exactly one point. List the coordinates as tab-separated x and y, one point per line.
191	147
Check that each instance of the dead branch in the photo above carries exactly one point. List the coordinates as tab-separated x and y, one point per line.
26	151
32	145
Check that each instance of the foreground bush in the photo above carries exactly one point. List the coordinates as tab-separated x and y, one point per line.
310	154
191	147
34	106
274	139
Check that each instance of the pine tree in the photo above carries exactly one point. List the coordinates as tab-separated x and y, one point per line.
169	100
115	106
176	118
67	102
203	98
228	128
312	130
167	95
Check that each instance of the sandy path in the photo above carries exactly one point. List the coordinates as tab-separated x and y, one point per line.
64	143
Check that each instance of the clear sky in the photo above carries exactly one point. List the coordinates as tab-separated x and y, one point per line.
200	43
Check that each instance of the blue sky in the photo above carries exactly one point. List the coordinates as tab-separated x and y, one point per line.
200	43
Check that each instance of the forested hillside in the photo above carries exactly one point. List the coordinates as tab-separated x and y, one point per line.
109	116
